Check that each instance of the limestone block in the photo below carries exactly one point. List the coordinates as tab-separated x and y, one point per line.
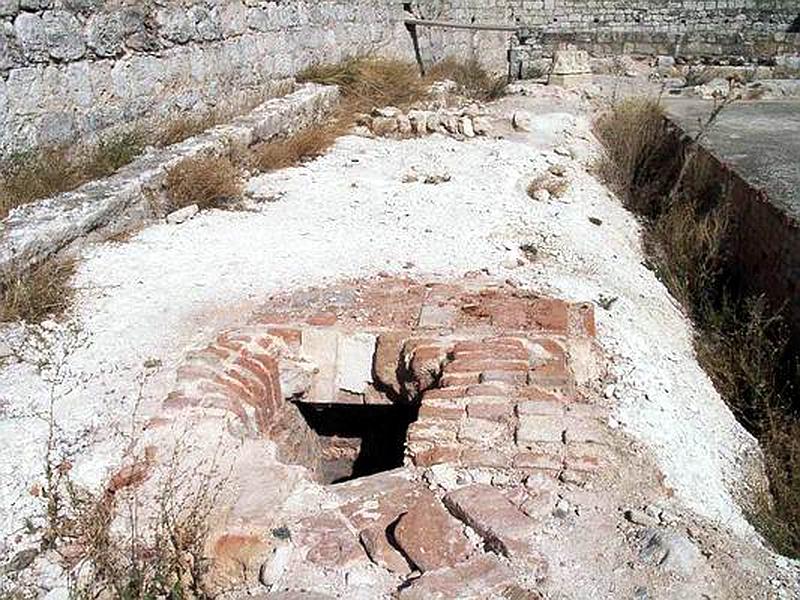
207	25
35	4
570	67
30	33
10	55
354	362
105	34
233	17
64	35
9	8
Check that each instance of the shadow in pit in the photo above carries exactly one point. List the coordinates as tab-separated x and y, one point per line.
359	440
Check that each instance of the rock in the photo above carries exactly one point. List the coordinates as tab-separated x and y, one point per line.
467	128
64	35
450	123
419	121
30	32
488	512
430	537
481	126
404	125
273	568
542	195
388	112
522	121
105	34
634	515
482	576
383	126
557	170
668	550
434	123
9	8
595	221
382	553
182	214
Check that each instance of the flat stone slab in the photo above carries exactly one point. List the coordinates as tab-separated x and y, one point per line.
761	140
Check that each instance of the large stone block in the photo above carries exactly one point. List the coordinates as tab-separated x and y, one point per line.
9	8
64	35
32	37
105	34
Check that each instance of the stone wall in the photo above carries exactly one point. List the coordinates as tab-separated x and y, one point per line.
694	27
72	68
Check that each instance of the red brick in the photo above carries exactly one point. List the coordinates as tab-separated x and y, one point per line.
538	460
459	379
509	377
482	457
488	389
436	455
444	393
440	412
478	366
324	319
491	411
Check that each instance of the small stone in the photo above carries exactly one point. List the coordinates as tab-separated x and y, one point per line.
404	125
467	128
272	569
384	126
522	121
595	221
388	112
182	214
542	195
670	551
481	126
557	170
634	515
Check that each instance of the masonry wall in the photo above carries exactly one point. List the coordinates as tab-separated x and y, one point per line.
715	28
74	68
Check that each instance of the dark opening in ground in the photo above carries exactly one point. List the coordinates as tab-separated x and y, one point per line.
359	440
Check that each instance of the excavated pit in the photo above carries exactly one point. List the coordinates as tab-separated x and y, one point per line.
358	440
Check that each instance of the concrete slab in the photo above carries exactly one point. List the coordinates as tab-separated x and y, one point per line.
760	140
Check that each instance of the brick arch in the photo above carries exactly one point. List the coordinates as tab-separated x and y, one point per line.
238	372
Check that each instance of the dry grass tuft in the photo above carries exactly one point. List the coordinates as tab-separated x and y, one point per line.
308	143
370	82
555	186
635	146
206	181
32	175
472	79
40	293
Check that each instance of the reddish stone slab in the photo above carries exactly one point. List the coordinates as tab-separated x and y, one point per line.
479	578
492	515
430	537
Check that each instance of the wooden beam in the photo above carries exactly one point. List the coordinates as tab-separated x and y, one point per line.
450	25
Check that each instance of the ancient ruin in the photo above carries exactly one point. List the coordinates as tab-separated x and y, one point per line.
377	299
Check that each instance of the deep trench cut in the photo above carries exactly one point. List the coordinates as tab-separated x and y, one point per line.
358	440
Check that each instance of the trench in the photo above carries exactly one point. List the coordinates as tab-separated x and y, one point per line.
710	239
358	440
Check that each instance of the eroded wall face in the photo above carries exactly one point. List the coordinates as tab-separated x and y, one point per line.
72	68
